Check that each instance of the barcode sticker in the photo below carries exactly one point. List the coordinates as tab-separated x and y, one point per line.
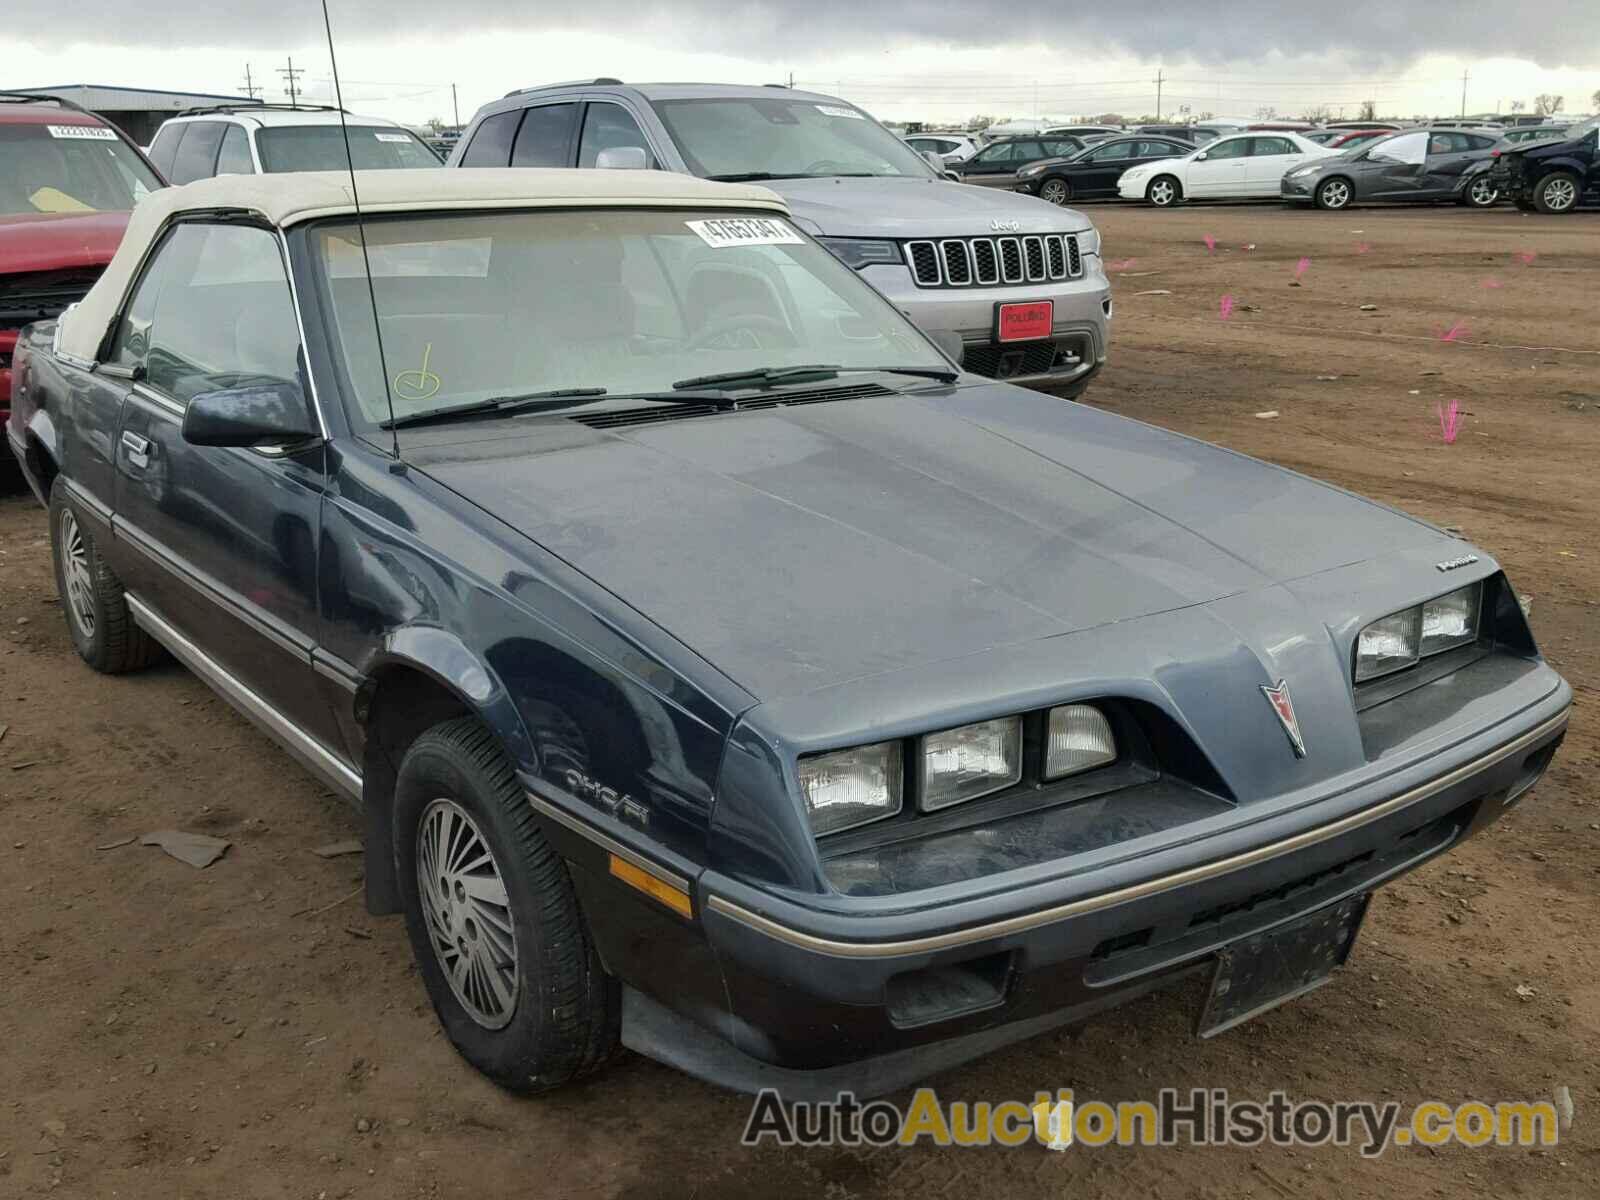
838	110
93	133
393	137
745	231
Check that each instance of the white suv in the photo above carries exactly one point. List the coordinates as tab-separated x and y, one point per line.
261	138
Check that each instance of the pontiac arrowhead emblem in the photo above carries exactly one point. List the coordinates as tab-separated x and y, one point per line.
1283	705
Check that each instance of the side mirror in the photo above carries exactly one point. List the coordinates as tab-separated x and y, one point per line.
950	342
271	415
623	158
934	160
953	176
1202	156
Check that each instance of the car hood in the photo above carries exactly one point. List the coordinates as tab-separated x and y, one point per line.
53	241
906	207
803	546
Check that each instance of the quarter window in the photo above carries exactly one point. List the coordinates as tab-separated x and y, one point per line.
234	157
608	127
491	145
165	148
213	311
197	153
545	139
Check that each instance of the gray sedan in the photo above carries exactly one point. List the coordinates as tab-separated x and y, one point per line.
1412	165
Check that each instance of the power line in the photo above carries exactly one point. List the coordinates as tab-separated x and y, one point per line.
251	87
292	74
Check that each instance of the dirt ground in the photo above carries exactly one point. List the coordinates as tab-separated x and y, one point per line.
247	1031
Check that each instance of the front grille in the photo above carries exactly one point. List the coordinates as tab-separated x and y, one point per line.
985	262
1066	353
656	413
39	295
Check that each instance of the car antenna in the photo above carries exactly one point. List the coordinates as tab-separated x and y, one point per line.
398	466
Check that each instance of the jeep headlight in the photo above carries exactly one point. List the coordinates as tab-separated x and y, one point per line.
862	252
971	761
1089	240
847	788
1404	638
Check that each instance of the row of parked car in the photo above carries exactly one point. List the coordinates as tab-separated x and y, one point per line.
1332	167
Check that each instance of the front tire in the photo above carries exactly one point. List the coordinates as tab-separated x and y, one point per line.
1556	193
1164	191
1056	191
1334	194
502	946
103	631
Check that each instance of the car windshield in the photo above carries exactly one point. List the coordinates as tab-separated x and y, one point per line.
783	138
321	148
481	306
76	168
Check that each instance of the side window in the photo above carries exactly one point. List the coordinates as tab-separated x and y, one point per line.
1060	149
1115	152
132	343
222	316
545	139
197	154
491	145
1267	147
165	148
234	157
1030	151
1231	148
1004	152
607	127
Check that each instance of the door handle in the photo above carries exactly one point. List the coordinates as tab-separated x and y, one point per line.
138	449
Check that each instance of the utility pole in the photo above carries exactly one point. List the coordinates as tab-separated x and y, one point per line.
1464	78
291	75
454	107
251	87
1158	81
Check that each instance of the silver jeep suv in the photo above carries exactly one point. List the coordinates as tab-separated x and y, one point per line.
1011	285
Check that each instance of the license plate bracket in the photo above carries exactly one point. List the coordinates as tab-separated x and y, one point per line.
1024	320
1275	966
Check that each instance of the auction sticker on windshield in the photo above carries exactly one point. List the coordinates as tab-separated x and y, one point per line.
745	231
97	133
836	110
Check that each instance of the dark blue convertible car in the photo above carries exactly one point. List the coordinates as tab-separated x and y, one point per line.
720	670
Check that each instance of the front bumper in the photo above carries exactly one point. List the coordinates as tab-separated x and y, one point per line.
1075	351
1299	189
820	1000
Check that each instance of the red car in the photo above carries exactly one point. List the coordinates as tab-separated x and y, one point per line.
1356	137
68	181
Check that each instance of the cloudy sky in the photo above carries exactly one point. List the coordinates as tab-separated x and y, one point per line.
934	60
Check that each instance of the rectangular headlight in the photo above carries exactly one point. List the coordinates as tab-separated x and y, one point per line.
972	761
851	787
1389	645
1451	620
1078	738
861	252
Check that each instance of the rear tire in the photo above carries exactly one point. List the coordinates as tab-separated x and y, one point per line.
1557	193
103	631
1164	191
1481	193
507	959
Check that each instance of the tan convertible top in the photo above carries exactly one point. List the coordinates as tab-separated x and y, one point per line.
290	198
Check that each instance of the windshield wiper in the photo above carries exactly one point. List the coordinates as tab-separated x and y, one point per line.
774	376
759	176
549	401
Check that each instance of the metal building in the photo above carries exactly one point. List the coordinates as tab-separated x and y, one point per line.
137	111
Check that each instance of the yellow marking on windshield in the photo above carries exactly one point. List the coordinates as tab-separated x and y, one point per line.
421	384
54	200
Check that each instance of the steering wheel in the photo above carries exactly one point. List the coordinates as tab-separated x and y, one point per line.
744	331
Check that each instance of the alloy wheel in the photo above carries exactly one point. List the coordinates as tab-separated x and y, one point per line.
1054	191
1560	194
79	579
1335	193
468	913
1483	193
1162	192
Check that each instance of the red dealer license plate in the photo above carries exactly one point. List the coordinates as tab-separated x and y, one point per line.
1025	322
